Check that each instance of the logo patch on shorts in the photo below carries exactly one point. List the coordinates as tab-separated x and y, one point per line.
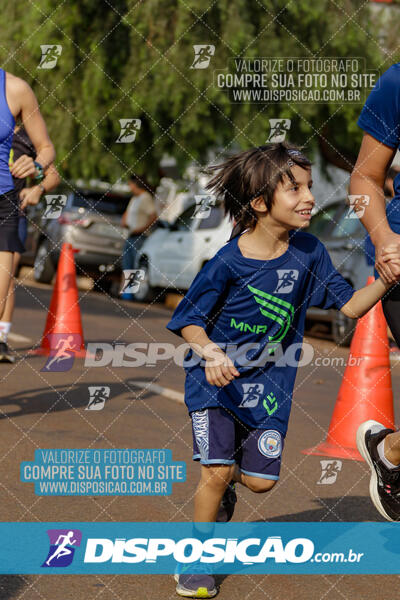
201	431
270	443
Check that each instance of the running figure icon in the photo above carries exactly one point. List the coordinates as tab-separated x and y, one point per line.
133	277
129	130
287	279
98	396
50	55
63	348
62	549
203	55
330	471
54	207
278	129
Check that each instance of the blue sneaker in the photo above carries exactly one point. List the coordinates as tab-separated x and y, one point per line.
197	584
227	506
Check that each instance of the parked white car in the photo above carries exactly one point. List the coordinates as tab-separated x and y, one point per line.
174	253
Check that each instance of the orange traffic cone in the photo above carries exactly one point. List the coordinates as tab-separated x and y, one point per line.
366	389
64	322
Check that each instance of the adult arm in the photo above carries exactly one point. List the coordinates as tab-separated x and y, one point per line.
368	178
25	105
33	194
380	121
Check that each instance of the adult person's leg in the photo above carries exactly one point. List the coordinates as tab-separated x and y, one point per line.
380	446
131	247
391	309
6	319
127	264
6	264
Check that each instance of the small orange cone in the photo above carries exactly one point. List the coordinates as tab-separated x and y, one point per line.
366	389
64	316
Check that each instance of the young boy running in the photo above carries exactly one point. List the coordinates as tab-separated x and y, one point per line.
243	311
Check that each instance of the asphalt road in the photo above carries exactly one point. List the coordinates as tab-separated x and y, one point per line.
47	410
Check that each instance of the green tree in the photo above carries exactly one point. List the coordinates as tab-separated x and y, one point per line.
132	60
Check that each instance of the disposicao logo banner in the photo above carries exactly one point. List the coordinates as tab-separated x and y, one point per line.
162	548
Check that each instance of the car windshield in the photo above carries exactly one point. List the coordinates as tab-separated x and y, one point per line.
186	220
109	204
349	225
197	217
212	219
323	222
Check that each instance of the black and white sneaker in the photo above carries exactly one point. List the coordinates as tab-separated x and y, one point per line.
384	486
227	506
5	354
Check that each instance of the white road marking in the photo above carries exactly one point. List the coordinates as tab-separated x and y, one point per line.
158	389
16	337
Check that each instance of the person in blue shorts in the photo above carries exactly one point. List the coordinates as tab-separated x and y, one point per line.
244	318
380	121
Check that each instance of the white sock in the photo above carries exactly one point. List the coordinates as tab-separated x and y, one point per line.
5	327
381	451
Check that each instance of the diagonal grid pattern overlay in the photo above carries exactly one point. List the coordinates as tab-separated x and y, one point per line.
181	433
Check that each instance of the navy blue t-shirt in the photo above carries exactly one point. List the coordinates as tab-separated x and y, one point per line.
255	310
380	117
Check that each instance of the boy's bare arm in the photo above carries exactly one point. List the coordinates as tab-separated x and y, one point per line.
365	298
219	369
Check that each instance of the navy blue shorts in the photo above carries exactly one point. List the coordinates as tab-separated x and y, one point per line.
220	438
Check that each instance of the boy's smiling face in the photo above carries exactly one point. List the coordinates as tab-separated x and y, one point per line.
292	202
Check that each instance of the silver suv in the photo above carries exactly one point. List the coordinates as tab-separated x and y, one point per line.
90	221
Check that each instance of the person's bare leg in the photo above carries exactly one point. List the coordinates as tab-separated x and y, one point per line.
390	304
10	301
6	265
392	447
212	485
209	492
259	485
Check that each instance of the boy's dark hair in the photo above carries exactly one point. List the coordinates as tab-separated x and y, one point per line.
251	174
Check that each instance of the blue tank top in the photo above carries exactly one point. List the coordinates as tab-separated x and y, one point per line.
7	123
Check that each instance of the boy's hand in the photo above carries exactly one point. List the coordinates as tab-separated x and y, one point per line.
220	370
392	253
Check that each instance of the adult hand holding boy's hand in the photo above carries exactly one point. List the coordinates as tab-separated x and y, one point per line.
390	255
387	269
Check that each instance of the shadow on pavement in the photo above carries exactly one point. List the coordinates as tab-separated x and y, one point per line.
348	509
10	585
336	509
54	399
38	299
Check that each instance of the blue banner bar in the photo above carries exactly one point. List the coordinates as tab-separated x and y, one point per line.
158	548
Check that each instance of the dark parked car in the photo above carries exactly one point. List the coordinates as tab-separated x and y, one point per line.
90	221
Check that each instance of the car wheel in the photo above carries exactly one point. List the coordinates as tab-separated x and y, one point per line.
343	329
43	267
107	285
145	292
